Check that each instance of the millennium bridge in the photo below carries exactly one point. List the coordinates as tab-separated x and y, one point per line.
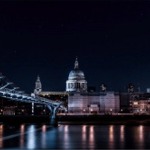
9	91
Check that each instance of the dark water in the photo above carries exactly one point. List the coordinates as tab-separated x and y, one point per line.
74	137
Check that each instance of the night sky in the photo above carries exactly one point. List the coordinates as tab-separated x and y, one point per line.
110	38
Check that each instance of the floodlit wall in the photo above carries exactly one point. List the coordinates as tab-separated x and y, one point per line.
108	102
111	102
77	103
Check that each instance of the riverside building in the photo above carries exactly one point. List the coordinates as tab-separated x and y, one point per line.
77	97
82	101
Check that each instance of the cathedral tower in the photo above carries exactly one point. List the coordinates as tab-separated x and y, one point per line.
38	86
76	81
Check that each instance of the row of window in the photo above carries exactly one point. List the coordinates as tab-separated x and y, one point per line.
76	85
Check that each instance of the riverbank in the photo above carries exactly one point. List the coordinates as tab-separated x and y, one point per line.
17	119
105	120
80	119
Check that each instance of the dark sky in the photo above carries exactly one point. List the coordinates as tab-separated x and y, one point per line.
110	38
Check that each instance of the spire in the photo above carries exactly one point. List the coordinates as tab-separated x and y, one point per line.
38	79
38	85
76	64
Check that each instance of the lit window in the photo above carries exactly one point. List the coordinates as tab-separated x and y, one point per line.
135	103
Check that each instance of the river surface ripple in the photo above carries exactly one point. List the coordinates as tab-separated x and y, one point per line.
92	137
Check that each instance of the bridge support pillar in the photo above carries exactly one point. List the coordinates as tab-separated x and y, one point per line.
53	117
53	121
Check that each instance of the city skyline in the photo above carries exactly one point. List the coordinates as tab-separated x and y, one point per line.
74	74
110	39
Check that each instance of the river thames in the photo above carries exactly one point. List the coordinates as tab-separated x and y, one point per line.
32	136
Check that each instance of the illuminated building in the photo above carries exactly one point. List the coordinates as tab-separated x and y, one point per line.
82	101
38	86
140	103
107	102
76	81
78	99
55	96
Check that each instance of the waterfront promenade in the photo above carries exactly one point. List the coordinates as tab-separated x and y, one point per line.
79	119
105	119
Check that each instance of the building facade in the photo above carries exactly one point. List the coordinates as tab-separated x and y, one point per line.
140	103
81	101
107	102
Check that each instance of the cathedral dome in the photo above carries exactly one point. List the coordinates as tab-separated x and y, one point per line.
76	79
76	74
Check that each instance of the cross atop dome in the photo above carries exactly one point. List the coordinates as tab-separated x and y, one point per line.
76	64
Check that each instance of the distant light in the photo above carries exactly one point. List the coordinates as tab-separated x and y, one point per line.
135	103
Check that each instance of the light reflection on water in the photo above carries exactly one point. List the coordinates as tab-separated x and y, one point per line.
31	137
140	135
43	138
84	136
77	137
66	137
1	136
111	136
22	132
122	135
91	136
140	130
84	133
